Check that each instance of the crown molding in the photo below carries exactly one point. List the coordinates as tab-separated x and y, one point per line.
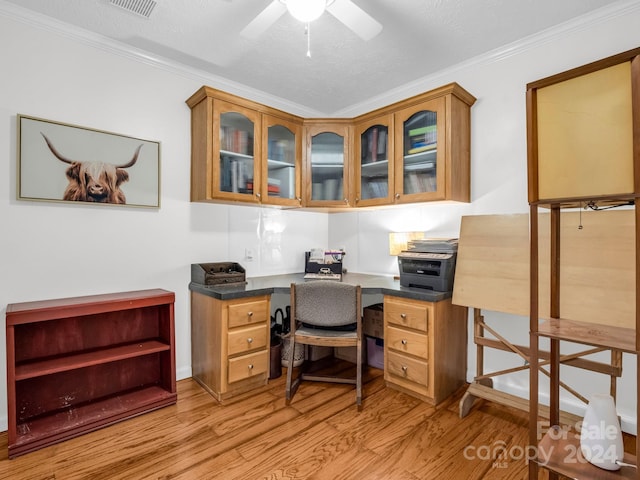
552	34
108	45
587	21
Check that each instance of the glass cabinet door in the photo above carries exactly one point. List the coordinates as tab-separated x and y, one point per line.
281	173
420	168
327	162
238	174
373	168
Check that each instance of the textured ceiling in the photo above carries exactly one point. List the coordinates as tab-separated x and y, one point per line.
419	37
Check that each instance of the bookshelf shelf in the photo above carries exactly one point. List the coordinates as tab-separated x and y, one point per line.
60	351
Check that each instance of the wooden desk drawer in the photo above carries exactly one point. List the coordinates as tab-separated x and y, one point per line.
246	339
411	315
409	368
246	313
407	341
248	366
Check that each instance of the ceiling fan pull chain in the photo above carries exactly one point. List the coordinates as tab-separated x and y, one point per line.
307	30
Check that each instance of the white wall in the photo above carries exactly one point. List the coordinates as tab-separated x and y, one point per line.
50	250
499	176
54	250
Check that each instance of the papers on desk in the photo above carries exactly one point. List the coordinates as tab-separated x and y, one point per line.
322	276
320	255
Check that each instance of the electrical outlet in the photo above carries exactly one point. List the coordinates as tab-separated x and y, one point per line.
248	254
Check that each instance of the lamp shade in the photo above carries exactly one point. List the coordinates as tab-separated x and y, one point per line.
399	241
306	10
601	435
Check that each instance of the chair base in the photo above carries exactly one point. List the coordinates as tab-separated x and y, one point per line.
293	382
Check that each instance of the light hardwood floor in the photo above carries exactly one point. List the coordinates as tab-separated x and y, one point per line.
320	435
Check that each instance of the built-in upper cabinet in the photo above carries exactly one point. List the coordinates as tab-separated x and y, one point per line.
281	173
326	166
238	174
242	151
421	151
416	150
420	160
374	161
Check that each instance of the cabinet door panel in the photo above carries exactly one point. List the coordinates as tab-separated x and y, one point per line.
247	313
247	339
248	366
237	131
373	162
408	368
421	152
406	341
327	164
409	315
281	172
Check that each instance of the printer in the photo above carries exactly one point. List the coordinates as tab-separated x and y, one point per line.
429	264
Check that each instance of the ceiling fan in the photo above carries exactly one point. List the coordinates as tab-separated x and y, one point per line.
362	24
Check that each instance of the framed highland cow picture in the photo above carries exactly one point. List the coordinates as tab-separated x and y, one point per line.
67	163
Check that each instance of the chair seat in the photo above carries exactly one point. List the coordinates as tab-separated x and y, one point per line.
317	332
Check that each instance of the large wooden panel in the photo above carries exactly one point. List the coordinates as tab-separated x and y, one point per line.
597	265
585	137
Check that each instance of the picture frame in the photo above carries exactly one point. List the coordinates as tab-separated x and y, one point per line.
60	162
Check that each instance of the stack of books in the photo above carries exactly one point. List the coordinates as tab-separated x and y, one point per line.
422	139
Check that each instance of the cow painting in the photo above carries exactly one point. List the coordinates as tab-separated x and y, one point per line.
94	181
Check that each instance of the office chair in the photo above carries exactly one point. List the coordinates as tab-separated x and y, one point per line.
326	313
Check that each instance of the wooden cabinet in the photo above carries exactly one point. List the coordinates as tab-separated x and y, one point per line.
425	345
282	167
583	150
416	150
327	172
373	161
243	151
428	149
77	364
230	343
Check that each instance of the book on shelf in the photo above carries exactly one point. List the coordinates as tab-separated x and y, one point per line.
423	130
422	138
420	182
378	188
374	144
236	140
421	148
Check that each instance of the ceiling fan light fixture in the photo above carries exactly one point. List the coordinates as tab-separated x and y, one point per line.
306	10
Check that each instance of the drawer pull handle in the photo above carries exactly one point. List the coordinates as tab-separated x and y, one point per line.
249	340
403	316
250	314
404	342
405	368
251	366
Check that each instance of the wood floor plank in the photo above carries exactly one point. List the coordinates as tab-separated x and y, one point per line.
320	435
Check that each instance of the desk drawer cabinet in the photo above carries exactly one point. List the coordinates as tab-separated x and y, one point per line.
229	343
425	347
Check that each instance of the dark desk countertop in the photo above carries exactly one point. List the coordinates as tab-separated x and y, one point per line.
270	284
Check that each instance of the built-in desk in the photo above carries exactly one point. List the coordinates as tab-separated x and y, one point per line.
270	284
425	335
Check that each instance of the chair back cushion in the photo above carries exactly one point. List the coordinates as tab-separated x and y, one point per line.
326	303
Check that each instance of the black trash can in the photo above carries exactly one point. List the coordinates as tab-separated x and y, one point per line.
275	365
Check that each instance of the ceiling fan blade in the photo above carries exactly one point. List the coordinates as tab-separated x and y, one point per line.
363	24
264	20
